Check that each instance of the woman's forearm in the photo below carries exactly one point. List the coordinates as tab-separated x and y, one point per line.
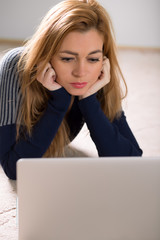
42	135
111	139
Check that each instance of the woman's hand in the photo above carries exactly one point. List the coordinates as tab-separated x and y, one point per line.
102	80
47	77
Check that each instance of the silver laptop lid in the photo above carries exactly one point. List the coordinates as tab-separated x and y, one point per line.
89	199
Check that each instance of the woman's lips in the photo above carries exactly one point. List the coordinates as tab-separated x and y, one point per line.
79	84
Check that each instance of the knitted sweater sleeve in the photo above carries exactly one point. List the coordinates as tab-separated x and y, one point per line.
43	132
111	139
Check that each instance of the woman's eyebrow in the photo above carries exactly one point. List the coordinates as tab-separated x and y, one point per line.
69	52
76	54
94	52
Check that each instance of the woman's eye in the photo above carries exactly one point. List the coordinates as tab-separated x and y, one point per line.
66	59
93	60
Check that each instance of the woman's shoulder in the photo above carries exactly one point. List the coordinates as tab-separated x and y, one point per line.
10	58
9	85
9	69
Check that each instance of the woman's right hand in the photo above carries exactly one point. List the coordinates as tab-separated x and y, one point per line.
47	77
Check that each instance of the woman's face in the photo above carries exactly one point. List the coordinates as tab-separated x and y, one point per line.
78	62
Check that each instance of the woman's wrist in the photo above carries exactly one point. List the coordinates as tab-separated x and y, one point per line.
60	99
81	98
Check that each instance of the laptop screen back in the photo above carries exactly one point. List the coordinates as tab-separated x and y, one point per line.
89	198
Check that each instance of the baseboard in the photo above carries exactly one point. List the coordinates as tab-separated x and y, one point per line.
20	42
7	41
139	48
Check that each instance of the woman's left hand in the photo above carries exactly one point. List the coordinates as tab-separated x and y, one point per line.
102	80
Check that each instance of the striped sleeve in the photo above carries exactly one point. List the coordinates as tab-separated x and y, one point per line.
9	88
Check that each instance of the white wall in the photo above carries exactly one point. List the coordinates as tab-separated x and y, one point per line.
136	22
19	18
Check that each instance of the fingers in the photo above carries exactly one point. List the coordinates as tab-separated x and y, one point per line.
41	75
106	70
105	73
47	77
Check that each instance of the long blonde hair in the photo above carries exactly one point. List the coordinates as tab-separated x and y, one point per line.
67	16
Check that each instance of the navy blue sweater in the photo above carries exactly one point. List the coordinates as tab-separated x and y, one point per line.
111	139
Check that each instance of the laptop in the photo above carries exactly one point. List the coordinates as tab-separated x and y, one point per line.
89	198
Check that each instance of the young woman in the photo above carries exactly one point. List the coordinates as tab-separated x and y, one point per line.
65	75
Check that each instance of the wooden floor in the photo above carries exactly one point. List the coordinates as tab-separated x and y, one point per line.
141	69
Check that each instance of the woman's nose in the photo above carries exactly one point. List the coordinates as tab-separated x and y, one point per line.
80	69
